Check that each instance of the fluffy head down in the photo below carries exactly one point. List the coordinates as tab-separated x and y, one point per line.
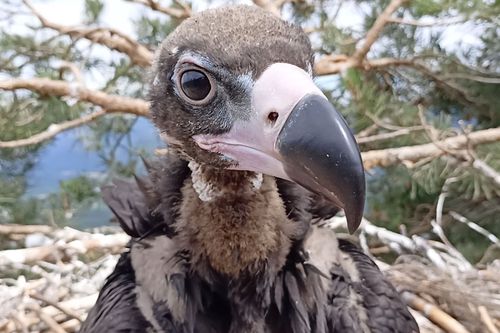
234	45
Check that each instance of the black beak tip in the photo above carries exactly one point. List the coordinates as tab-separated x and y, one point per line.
320	153
354	215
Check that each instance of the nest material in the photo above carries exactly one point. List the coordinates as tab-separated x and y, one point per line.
52	279
471	296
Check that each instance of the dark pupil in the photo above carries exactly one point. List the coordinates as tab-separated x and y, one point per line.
195	85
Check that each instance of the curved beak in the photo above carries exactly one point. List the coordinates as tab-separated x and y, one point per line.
295	133
320	153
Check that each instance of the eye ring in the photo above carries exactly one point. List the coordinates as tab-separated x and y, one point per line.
191	81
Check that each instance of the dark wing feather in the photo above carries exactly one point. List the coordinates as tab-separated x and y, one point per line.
148	205
303	205
384	307
143	208
116	310
128	204
322	209
300	319
359	298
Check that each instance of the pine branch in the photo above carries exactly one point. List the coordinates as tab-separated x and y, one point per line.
52	131
332	64
111	38
108	103
335	64
412	154
374	33
183	13
59	88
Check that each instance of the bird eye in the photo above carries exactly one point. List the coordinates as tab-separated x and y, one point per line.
196	86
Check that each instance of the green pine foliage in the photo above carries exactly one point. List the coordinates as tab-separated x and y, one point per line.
454	89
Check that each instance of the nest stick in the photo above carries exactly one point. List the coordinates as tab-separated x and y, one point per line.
434	313
485	317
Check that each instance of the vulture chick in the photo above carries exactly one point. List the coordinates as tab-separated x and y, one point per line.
222	235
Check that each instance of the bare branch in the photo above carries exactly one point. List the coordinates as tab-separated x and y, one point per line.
52	131
392	156
183	13
111	103
108	37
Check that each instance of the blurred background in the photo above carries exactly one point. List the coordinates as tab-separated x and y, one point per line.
418	82
449	86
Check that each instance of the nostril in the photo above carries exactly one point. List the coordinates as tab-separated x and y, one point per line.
273	116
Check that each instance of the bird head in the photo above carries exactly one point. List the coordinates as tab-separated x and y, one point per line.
233	89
